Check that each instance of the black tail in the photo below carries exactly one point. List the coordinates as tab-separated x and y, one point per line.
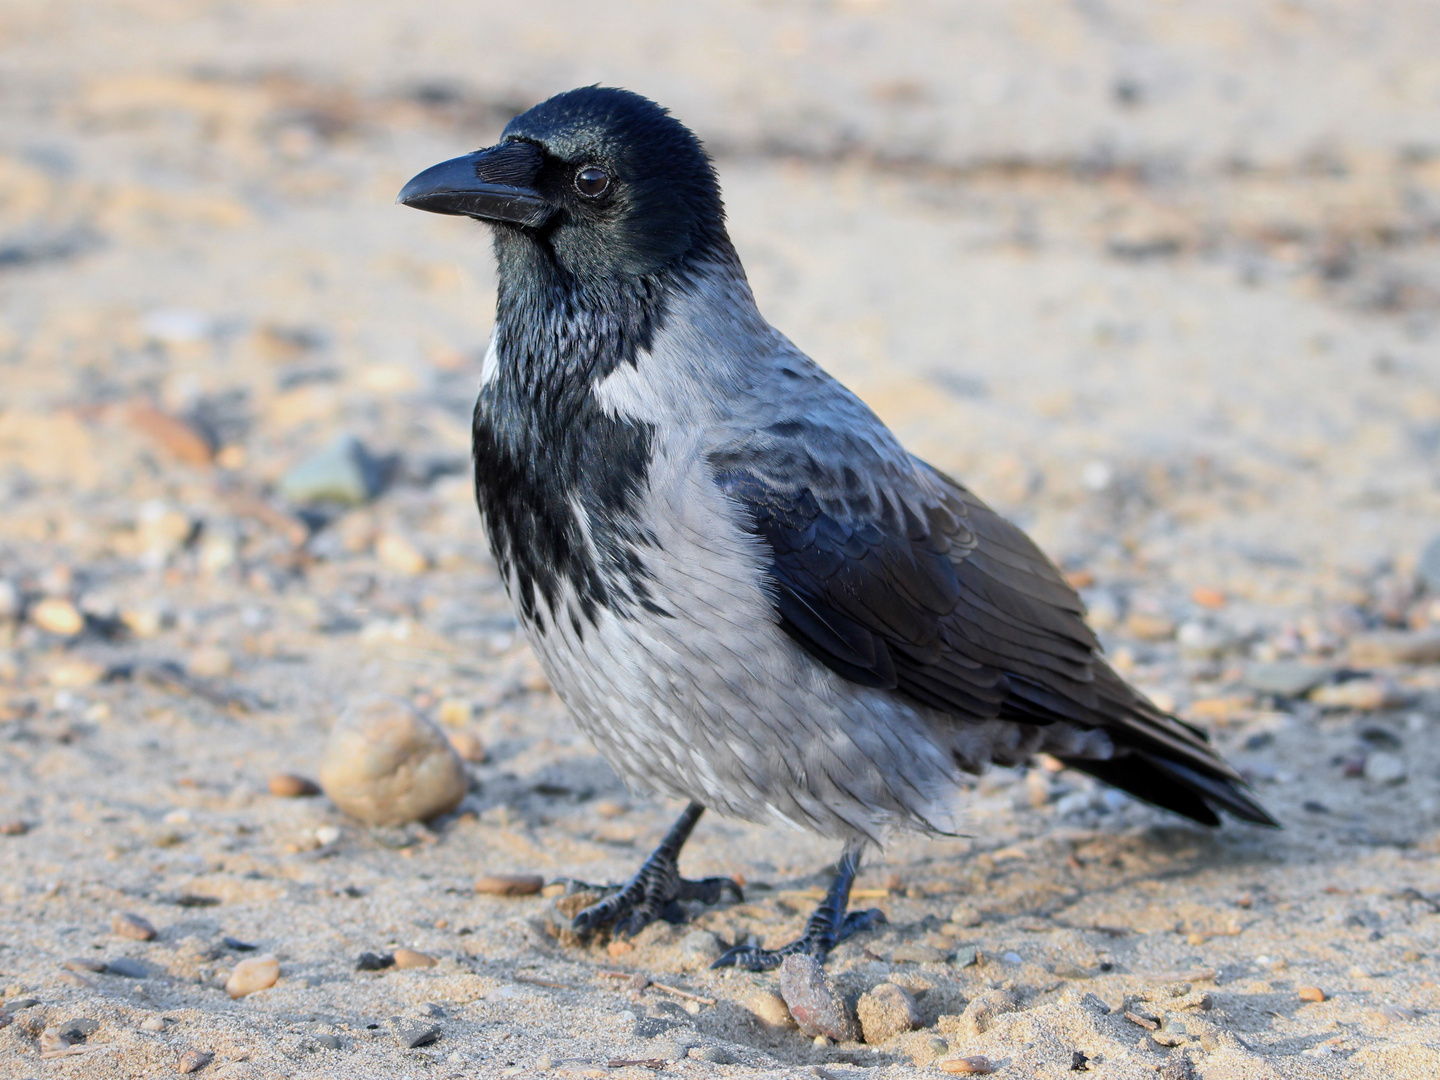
1168	784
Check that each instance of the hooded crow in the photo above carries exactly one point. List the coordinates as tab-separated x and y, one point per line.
749	594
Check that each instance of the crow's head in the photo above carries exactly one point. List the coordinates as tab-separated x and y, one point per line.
603	181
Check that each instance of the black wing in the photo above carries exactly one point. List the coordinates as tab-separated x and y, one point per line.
937	597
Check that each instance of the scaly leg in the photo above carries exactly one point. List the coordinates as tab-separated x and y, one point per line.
656	889
825	929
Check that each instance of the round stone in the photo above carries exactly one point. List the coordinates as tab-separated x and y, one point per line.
249	976
387	765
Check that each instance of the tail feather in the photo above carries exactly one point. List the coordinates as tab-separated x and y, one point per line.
1170	785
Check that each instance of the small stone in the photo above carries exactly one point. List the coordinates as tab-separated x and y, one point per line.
1285	678
326	835
965	915
369	961
455	712
51	1041
292	786
153	1023
468	745
1177	1067
1386	647
129	925
194	1060
1150	627
1385	767
397	553
813	1001
14	827
510	885
210	662
413	958
412	1033
327	1041
1200	639
913	952
57	616
544	1063
885	1012
253	975
127	968
84	963
1207	597
1310	993
716	1055
699	949
966	955
1362	695
387	765
177	438
74	672
344	472
975	1065
983	1010
770	1009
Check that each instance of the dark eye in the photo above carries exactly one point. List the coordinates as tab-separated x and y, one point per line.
591	181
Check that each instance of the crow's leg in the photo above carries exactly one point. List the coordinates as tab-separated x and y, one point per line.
829	926
656	889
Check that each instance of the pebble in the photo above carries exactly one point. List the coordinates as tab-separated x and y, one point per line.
292	786
1362	695
699	949
913	952
1386	647
412	1033
1150	627
210	662
983	1010
176	437
1177	1067
51	1041
413	958
1385	767
328	1041
194	1060
886	1011
455	712
83	963
369	961
127	968
75	672
1201	639
770	1009
966	955
137	928
399	554
1310	993
510	884
387	765
253	975
468	745
975	1065
343	472
813	1001
716	1055
965	915
153	1023
57	616
14	827
1285	678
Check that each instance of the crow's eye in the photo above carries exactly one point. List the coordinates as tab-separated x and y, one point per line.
591	181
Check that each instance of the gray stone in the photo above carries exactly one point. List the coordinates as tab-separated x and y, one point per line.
1285	678
886	1011
1202	639
716	1055
647	1027
1429	565
344	472
980	1015
699	949
813	1001
412	1033
1384	767
329	1042
966	955
127	968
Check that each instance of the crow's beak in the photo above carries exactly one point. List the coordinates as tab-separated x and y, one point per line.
493	185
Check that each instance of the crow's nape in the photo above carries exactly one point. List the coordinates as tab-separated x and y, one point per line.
1166	783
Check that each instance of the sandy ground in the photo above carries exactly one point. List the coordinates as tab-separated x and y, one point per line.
1159	280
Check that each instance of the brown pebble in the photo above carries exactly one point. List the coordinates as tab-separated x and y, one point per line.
814	1000
171	434
413	958
57	617
250	976
468	745
14	828
290	786
975	1065
84	963
1310	993
510	884
1207	597
74	978
194	1060
886	1011
128	924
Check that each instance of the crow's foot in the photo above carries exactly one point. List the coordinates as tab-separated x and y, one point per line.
656	890
825	929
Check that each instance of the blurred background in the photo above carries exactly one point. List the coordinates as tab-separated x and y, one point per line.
1157	279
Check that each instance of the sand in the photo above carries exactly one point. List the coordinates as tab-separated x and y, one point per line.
1157	280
